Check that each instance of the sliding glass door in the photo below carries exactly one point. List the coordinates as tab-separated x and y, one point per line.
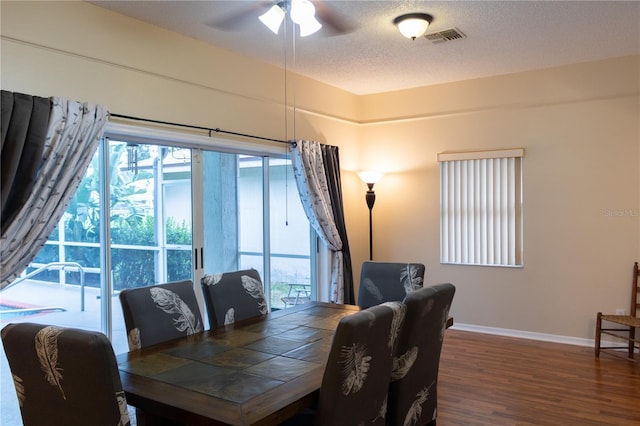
253	218
150	220
292	241
157	213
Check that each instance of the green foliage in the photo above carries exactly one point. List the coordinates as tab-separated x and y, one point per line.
136	268
177	233
179	265
178	261
132	268
133	230
131	224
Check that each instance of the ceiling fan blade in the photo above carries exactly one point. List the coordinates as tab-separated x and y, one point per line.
336	23
239	19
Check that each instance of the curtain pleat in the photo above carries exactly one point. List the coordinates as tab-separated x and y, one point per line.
331	158
73	133
311	180
26	130
7	110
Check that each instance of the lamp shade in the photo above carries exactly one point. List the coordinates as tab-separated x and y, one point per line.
303	13
273	18
309	26
413	25
301	10
370	176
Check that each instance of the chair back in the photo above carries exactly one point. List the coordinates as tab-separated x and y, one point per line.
635	293
233	296
356	379
161	312
388	282
64	376
413	390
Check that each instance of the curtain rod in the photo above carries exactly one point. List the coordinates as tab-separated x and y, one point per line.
210	130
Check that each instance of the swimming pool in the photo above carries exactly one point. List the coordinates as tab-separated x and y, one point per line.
10	311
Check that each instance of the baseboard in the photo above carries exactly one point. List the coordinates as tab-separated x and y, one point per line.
525	334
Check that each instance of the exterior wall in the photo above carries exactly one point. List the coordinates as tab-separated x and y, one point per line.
579	125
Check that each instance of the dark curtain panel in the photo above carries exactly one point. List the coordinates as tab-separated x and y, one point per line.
331	159
25	120
47	145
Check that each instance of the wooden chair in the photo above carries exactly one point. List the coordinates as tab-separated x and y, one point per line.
413	393
161	312
233	296
629	322
388	282
64	376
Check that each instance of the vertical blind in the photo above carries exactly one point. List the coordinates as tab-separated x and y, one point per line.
481	207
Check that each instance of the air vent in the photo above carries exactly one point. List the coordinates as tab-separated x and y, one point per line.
445	35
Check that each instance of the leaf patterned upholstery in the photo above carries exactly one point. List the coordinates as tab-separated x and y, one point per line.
356	379
413	389
64	376
161	312
388	282
233	296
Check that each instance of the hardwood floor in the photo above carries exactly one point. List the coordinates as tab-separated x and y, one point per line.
494	380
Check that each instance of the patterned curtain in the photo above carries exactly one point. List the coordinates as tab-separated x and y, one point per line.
313	182
43	170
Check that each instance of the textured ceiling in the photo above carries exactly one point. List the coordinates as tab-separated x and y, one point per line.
501	37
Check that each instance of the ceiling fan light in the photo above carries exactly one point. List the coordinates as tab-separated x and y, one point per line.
273	18
301	11
413	25
309	26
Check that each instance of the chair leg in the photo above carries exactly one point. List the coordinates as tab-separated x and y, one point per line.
632	343
598	334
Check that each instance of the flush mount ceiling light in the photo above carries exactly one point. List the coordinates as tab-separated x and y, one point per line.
413	25
302	12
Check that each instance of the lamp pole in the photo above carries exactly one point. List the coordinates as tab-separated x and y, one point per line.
371	199
370	178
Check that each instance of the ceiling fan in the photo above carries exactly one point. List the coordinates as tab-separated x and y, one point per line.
310	15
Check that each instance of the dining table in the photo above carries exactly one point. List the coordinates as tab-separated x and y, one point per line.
254	372
260	371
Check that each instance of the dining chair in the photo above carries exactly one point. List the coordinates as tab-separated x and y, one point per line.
156	314
388	282
233	296
625	325
64	376
413	393
160	312
355	382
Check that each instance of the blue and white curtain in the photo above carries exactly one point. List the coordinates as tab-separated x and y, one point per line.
316	169
47	145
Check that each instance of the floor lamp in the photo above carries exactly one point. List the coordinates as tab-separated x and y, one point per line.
370	178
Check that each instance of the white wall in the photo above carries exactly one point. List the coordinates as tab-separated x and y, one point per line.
580	128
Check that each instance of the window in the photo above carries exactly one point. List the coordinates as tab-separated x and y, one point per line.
481	207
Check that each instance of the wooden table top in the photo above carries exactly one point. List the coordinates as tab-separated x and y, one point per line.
260	371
